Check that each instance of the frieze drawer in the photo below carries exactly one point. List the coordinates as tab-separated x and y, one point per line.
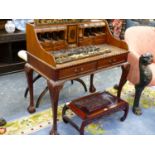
106	62
74	71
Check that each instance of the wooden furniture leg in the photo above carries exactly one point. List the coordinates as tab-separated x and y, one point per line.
92	88
40	97
126	109
145	78
123	80
29	75
65	108
81	82
67	119
138	91
54	90
34	80
83	125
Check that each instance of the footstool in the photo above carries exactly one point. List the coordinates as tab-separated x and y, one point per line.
92	107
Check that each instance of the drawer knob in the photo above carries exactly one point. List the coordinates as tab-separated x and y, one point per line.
75	70
82	69
110	61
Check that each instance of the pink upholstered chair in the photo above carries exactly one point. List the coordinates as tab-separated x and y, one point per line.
140	39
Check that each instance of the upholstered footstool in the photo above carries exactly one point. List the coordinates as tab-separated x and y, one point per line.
92	107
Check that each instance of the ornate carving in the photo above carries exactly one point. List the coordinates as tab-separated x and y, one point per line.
56	21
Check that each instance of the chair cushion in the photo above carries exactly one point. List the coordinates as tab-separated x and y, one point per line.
140	39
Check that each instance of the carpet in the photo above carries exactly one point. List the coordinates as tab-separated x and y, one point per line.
105	125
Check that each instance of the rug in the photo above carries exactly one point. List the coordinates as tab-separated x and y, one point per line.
41	120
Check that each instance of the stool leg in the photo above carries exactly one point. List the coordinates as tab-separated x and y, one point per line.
83	125
72	81
34	80
125	113
82	82
65	108
41	96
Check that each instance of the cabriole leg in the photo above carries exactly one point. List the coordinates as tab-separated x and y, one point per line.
29	75
54	90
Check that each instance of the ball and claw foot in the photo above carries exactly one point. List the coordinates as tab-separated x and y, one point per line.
54	132
137	111
31	109
116	86
2	130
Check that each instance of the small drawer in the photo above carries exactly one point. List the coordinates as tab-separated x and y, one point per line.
47	46
99	39
77	70
106	62
86	41
59	45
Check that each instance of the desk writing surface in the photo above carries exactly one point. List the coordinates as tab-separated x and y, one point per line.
114	52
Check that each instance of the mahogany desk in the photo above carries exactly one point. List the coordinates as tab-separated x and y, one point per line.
56	86
43	41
